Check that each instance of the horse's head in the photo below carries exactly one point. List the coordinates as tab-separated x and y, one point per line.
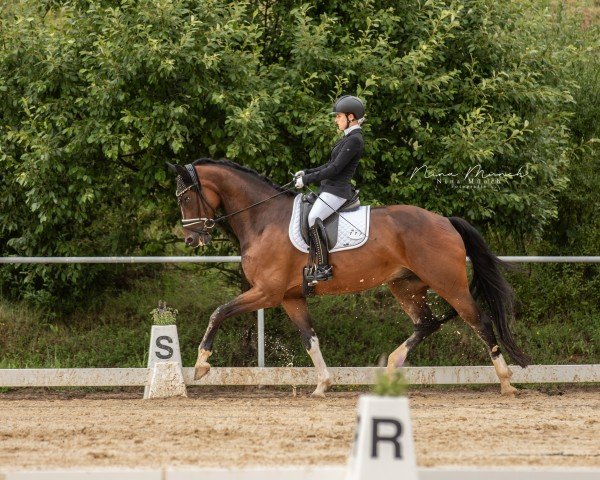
197	211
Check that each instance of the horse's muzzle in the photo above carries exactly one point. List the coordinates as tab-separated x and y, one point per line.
195	239
192	240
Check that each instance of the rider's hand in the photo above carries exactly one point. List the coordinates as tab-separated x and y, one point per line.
299	183
299	174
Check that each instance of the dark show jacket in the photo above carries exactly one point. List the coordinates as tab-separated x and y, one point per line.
336	174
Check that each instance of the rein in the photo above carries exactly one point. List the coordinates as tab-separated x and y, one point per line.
223	217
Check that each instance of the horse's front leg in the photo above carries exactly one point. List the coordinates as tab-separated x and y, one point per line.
297	310
248	301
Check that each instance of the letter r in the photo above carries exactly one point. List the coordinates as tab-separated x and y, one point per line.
378	437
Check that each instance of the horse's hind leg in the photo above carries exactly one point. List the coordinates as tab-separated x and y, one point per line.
481	323
297	310
464	303
411	295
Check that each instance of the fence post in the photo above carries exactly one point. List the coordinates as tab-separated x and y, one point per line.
261	338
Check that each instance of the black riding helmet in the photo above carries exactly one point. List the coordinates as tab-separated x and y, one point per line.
349	104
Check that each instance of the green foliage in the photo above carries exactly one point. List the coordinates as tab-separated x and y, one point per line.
163	315
557	311
576	230
391	385
115	332
96	96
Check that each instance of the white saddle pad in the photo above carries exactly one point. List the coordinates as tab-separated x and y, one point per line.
353	228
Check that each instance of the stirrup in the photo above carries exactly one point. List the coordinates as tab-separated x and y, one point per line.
320	273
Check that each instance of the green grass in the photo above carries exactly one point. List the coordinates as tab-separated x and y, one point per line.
553	326
115	331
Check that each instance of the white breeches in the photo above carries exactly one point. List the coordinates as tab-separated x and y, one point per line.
324	206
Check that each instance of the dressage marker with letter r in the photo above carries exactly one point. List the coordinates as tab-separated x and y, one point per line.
383	445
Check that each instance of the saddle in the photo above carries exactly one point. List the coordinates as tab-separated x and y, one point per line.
330	224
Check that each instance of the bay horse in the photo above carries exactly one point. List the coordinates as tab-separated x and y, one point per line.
409	249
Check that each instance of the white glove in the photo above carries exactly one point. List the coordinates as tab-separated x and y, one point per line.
299	174
299	182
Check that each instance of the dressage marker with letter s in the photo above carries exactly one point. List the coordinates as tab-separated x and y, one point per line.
164	364
383	447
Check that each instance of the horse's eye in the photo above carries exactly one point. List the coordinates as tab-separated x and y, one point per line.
187	199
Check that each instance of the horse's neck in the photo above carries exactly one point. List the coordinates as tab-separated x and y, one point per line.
239	192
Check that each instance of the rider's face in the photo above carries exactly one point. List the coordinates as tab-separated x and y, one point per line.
340	120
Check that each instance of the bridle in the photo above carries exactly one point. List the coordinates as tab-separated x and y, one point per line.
209	223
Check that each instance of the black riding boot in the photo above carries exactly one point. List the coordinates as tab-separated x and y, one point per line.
322	271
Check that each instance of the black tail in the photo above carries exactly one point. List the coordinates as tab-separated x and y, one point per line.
489	283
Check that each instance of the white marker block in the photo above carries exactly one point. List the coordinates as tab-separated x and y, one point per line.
164	348
166	381
383	446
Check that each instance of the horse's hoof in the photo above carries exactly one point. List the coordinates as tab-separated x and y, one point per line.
396	359
322	387
509	391
201	370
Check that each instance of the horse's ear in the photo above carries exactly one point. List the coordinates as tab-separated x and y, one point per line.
172	167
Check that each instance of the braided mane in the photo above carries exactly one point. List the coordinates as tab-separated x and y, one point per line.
242	168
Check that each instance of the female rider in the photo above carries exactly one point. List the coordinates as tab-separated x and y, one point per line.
334	177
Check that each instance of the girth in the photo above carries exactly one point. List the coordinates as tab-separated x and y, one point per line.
331	222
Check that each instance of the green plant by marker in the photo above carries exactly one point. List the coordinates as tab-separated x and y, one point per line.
163	315
391	385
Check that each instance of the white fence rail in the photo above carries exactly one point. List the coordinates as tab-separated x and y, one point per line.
237	259
175	259
132	377
299	473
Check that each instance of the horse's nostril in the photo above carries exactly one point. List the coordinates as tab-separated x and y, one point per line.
189	240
